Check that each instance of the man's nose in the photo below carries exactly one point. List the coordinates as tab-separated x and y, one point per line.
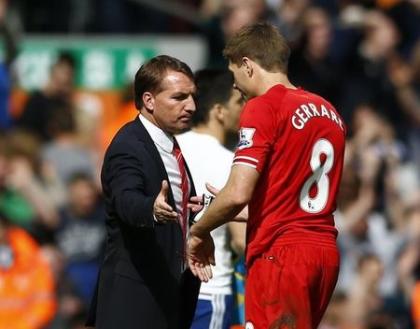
190	105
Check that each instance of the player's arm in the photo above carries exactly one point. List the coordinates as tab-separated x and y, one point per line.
228	203
237	232
241	217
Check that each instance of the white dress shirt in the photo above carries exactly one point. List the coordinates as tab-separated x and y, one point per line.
165	143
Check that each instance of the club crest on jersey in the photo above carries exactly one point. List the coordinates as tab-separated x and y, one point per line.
245	138
249	325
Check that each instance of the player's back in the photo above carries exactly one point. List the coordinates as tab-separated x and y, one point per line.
297	145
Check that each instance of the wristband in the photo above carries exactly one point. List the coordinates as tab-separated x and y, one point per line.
207	200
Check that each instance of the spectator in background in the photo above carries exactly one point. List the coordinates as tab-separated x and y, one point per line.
233	14
406	15
406	80
310	64
372	157
409	261
126	112
27	285
335	314
366	75
81	234
287	17
23	197
363	296
64	153
70	305
55	96
10	51
217	116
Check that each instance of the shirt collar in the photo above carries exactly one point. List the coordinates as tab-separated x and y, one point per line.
159	137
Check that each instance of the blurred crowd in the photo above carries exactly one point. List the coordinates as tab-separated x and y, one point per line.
363	56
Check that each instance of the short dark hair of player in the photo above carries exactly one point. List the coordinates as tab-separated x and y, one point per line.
261	42
213	87
150	75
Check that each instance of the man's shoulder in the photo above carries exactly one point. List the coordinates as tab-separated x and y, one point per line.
127	136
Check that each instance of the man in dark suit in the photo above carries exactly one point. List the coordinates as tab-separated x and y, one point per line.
144	280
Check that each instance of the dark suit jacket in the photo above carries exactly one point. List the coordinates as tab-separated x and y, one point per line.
142	283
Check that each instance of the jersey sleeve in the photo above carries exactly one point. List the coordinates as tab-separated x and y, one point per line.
257	132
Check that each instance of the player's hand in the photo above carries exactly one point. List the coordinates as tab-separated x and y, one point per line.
201	255
162	211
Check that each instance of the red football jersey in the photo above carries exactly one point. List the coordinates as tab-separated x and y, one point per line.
295	139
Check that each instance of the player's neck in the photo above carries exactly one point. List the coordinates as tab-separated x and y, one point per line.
269	80
212	129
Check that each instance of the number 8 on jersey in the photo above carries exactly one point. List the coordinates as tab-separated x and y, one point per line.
319	177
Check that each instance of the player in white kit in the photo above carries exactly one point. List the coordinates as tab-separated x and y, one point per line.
218	108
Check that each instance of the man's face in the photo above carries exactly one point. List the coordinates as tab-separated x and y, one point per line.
241	79
233	110
62	79
82	197
173	106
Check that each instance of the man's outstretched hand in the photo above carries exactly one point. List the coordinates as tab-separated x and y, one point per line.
201	256
162	211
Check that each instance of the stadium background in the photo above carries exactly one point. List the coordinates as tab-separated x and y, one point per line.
65	77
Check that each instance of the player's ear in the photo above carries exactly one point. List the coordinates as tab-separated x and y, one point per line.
217	112
149	101
220	113
247	64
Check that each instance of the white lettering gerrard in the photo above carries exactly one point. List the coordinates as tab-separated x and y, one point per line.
305	112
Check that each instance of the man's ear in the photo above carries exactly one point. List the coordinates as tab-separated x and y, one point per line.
148	101
218	112
248	66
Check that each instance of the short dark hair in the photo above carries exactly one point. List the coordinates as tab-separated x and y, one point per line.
80	176
62	120
261	42
150	75
65	57
213	87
